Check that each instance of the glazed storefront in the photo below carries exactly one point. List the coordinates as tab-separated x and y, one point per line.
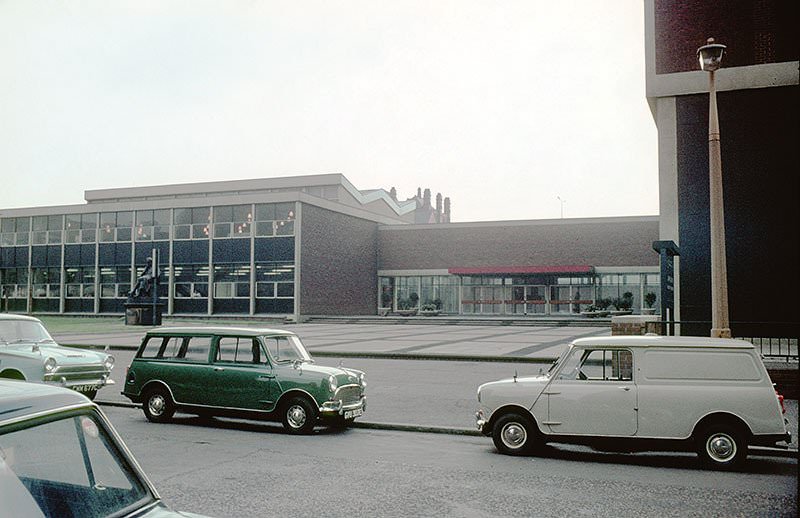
522	291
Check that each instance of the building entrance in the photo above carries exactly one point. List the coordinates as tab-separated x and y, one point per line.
529	300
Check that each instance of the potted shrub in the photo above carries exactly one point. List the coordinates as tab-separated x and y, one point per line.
407	307
590	311
429	309
649	300
623	304
602	307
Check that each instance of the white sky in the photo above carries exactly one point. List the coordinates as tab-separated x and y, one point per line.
501	105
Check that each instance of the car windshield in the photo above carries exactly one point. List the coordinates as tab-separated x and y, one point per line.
557	362
285	349
68	467
23	331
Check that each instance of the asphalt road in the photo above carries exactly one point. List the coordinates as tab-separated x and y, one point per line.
228	468
425	393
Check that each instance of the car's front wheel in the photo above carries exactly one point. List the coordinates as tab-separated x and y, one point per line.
515	434
721	446
299	416
158	406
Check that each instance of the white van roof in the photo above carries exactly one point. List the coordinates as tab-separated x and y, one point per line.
663	341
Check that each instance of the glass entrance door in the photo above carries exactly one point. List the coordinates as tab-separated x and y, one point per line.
535	300
560	300
529	300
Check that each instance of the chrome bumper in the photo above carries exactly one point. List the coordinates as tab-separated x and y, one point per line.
480	420
333	408
62	381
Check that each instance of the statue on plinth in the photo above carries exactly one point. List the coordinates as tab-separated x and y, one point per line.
144	283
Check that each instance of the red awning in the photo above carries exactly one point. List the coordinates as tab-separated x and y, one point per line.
488	270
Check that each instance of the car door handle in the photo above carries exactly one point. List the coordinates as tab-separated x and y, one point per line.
219	369
265	377
626	389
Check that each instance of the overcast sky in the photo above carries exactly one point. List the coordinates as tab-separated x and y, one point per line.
503	106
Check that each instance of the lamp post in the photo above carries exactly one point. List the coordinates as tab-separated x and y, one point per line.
562	205
710	57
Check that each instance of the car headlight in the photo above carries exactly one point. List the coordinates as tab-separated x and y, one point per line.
108	363
332	383
50	365
362	378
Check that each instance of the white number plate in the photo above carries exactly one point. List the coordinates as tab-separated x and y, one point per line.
350	414
85	388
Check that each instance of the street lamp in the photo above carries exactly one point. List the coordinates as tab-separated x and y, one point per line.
710	57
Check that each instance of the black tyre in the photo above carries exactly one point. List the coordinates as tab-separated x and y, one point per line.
721	446
158	406
514	434
299	416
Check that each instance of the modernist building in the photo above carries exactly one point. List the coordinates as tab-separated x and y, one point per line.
759	120
311	245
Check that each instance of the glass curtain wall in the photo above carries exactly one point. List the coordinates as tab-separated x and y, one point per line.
47	230
116	227
532	295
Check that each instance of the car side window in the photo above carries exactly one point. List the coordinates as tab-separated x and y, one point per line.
606	365
238	350
172	347
151	346
197	348
279	348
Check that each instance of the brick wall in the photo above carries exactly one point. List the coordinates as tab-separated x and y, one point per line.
755	31
338	258
596	242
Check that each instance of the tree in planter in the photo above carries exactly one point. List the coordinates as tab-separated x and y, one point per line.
414	299
386	300
624	303
649	299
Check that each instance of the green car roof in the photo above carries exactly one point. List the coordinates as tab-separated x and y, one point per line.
216	330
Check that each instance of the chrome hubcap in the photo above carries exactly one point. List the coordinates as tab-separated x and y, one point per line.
514	435
156	404
296	416
721	447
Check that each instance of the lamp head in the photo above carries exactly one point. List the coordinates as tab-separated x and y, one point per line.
710	55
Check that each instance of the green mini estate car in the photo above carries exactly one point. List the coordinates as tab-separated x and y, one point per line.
241	372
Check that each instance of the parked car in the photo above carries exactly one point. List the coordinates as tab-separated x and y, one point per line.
61	458
28	352
627	393
241	372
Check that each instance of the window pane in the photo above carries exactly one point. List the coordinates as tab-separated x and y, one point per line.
198	348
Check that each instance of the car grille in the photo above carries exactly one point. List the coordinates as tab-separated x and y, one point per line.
77	373
349	394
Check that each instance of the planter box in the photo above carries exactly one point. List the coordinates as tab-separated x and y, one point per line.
406	312
426	313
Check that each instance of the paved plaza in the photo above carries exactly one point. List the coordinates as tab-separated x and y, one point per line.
528	342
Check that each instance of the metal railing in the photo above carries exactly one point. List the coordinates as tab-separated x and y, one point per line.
776	340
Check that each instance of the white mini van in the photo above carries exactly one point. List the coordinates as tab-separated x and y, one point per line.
628	393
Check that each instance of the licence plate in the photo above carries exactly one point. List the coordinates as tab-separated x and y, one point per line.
350	414
85	388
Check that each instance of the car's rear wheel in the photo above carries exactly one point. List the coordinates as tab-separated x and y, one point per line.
298	416
158	406
721	446
515	434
